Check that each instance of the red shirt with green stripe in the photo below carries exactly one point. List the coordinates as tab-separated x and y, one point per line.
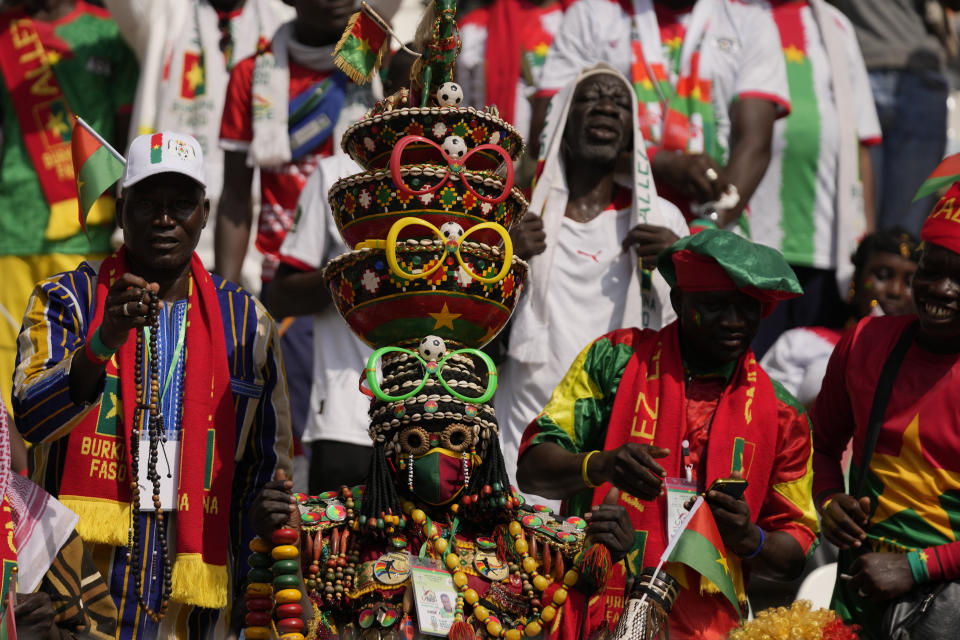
913	479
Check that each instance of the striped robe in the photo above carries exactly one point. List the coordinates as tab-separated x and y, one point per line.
54	327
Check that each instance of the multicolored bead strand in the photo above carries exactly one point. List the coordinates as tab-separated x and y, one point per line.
286	584
259	594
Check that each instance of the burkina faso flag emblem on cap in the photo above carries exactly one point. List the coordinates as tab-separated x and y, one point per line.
156	145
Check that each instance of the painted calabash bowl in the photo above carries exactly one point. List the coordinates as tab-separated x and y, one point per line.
385	309
371	140
367	204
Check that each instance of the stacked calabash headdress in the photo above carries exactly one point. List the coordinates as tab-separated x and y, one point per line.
432	276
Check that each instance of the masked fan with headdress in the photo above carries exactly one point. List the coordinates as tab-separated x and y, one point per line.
436	542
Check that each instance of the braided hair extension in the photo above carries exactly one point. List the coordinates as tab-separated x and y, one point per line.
380	496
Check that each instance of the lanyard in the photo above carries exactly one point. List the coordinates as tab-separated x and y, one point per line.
176	352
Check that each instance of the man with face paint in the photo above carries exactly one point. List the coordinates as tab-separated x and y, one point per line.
688	402
592	241
899	534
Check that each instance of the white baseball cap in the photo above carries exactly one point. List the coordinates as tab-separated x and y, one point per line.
163	152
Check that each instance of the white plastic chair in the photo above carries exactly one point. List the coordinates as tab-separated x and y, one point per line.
818	586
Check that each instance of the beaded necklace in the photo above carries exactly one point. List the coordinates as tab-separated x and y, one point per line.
148	402
469	596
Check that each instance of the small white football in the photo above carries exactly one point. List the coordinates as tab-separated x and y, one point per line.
451	230
455	147
432	348
450	94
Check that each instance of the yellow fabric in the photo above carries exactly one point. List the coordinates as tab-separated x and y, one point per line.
576	384
199	583
101	521
64	219
20	275
798	492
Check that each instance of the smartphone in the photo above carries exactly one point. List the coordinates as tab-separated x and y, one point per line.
733	487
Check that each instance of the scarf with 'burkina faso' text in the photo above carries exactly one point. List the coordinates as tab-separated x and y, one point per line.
650	408
96	479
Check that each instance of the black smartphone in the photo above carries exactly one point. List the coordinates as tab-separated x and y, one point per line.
733	487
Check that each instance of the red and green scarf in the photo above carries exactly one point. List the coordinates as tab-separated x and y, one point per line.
650	408
45	117
96	483
673	98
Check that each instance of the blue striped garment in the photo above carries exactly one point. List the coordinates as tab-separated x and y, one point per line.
54	327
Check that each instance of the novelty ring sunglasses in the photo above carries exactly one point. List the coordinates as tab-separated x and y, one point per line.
455	166
452	244
431	368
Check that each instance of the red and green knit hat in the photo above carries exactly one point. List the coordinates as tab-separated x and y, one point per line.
717	260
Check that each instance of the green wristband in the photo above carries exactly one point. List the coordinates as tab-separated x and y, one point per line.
99	350
918	567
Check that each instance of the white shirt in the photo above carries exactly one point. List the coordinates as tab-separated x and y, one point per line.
338	411
741	53
588	292
794	208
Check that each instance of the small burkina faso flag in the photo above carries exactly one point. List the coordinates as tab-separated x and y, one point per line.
360	50
96	164
946	173
700	547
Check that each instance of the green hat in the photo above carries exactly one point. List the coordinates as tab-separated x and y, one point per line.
716	260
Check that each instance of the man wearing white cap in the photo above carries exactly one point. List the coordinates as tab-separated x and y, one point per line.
146	370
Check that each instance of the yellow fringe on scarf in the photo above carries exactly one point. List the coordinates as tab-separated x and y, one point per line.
101	521
198	583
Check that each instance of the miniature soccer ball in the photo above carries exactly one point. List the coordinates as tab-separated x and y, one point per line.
450	94
432	348
451	231
455	147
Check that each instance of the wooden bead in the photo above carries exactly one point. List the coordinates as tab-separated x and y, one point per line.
452	561
288	596
289	625
460	579
292	636
418	516
283	567
260	589
440	545
257	619
548	613
291	610
515	529
260	575
285	535
521	546
285	552
257	545
533	629
540	583
257	633
260	561
471	597
286	581
481	613
494	628
259	603
513	634
571	578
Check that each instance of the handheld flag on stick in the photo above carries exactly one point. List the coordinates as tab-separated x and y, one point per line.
360	50
698	545
96	164
946	173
